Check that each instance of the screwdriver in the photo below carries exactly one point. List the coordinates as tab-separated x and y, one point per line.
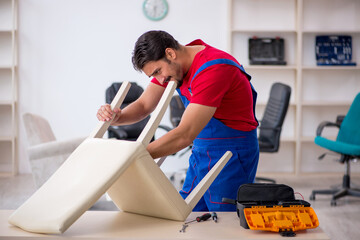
214	216
203	217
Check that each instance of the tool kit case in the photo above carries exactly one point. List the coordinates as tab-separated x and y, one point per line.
272	207
334	50
266	51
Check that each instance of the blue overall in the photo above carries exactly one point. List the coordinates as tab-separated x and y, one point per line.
209	146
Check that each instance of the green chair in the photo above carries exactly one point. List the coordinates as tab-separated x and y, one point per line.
347	144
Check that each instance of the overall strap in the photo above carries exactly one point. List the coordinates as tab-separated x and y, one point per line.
219	61
228	62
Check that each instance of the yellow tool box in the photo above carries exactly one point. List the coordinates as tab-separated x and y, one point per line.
281	219
273	207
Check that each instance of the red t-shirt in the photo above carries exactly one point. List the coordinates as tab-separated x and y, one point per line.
222	86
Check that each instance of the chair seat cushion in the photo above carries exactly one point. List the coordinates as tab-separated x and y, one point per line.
337	146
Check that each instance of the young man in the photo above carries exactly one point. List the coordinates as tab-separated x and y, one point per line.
219	114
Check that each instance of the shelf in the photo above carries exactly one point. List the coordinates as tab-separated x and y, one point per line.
6	16
263	31
271	67
326	104
262	104
319	93
2	66
326	16
288	139
6	103
6	174
333	32
309	139
265	11
6	138
8	88
239	43
331	68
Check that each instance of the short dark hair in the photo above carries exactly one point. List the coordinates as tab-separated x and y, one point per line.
151	46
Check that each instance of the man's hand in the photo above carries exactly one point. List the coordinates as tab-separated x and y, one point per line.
193	121
105	114
134	112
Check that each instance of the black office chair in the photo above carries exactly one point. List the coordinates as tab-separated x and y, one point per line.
347	144
177	109
272	121
127	132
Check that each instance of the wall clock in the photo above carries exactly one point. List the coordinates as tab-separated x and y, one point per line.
155	10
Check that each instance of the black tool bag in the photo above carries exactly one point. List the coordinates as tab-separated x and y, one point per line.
263	194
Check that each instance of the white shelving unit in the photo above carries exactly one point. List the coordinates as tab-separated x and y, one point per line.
319	93
8	87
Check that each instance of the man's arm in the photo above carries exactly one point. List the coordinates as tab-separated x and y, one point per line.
136	111
194	119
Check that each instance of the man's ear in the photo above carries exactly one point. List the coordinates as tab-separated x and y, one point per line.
170	53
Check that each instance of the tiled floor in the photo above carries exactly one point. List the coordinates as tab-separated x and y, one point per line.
340	222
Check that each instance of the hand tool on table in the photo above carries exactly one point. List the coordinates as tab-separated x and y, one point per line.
203	217
214	216
184	226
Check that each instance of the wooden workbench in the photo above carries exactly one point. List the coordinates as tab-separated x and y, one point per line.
120	225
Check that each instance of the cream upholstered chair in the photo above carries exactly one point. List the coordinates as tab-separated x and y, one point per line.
124	169
46	154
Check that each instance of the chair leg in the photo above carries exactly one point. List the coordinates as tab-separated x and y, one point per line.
323	192
342	193
354	192
345	190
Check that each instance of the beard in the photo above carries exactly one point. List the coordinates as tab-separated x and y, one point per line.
178	74
179	82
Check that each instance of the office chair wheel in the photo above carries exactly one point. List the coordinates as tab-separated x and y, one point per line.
312	197
333	203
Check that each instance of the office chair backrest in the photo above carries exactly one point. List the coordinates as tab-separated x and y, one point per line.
37	129
132	131
177	109
134	93
273	119
349	129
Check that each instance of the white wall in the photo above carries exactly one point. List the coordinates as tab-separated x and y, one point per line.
70	51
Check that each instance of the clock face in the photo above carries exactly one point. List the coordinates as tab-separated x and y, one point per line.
155	9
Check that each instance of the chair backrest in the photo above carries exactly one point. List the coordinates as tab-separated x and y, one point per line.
134	130
273	118
177	109
349	129
134	93
37	129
